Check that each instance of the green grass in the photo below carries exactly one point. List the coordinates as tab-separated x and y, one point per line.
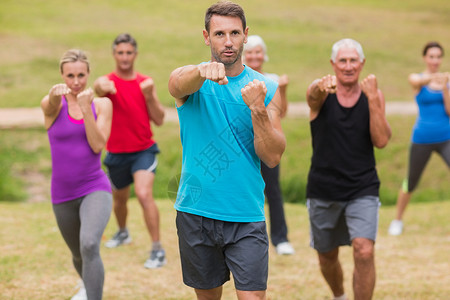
26	157
35	262
299	35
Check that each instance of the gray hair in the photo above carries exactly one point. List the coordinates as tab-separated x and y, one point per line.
255	41
347	43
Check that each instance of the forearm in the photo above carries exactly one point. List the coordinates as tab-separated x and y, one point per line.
98	86
155	110
185	81
315	96
284	102
446	95
269	141
95	137
380	131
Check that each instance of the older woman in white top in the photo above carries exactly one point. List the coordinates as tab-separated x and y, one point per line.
255	54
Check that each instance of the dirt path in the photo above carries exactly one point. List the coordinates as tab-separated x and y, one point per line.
32	117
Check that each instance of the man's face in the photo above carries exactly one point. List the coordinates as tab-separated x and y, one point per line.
226	38
124	55
347	66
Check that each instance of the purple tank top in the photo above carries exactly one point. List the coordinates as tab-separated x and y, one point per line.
76	168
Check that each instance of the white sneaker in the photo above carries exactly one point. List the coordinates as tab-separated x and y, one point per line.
81	295
285	248
119	238
157	259
396	227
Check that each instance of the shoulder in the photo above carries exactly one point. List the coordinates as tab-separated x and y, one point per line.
102	103
141	77
270	83
272	76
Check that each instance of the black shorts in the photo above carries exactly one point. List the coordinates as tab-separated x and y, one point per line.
210	249
122	166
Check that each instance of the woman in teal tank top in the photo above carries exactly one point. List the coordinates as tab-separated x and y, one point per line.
431	131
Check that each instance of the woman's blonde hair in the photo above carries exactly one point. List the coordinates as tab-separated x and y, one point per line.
73	55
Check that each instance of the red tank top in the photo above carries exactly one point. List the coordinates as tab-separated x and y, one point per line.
130	129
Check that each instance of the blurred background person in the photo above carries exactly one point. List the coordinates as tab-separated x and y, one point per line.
255	54
431	132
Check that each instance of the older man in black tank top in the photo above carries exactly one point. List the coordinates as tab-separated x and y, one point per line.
347	119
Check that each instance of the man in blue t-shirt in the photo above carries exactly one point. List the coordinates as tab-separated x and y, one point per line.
229	121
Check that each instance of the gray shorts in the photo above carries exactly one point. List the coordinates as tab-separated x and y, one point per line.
210	249
337	223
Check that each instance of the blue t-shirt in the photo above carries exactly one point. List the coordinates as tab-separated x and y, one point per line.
221	176
433	123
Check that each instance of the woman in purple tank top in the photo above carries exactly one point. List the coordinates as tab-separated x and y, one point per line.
78	126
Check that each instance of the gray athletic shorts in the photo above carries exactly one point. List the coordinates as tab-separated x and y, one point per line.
122	166
210	249
337	223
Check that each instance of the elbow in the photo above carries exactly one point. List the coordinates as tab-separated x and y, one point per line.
272	163
159	120
382	142
97	150
273	160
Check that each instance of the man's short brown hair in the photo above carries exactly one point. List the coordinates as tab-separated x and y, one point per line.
225	8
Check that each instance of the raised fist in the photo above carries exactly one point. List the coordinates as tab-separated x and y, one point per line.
213	71
147	87
58	90
369	85
283	80
254	93
107	85
86	97
327	84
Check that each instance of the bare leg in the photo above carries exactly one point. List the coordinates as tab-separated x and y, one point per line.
364	273
251	295
143	184
211	294
120	206
332	271
402	202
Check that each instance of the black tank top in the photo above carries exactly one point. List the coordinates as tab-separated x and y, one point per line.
343	161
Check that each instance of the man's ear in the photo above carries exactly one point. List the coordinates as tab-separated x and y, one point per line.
206	37
245	35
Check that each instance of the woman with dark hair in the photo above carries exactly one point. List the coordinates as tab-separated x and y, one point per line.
431	132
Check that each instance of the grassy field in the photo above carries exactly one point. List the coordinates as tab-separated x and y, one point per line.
299	35
35	263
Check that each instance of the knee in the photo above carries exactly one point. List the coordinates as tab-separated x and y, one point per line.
329	258
144	194
363	249
89	248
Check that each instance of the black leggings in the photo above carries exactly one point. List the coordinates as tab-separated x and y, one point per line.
82	222
419	154
278	227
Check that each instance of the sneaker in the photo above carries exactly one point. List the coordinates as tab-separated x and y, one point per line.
285	248
396	227
157	259
81	295
120	238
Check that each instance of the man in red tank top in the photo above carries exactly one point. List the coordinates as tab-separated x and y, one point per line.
131	155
